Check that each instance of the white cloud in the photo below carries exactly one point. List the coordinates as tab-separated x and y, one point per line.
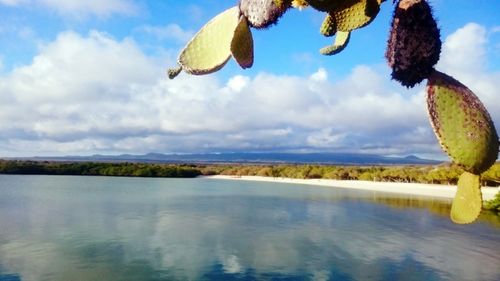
465	57
79	8
320	76
463	51
164	243
94	94
238	83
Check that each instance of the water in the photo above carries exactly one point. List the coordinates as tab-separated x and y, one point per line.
98	228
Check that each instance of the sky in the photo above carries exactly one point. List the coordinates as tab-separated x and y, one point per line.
89	77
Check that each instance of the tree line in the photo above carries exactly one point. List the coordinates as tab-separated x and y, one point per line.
99	169
440	174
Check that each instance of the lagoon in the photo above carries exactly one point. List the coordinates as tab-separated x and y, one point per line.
106	228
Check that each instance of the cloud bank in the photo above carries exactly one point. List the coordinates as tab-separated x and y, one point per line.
85	94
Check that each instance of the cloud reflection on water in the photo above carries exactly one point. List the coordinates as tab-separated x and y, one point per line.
258	231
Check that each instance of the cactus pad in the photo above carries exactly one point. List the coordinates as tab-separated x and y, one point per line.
468	201
263	13
341	41
414	44
242	44
329	26
461	123
210	48
355	15
173	72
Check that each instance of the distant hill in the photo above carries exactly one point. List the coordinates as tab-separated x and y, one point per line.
264	158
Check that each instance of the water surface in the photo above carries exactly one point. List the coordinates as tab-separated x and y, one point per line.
100	228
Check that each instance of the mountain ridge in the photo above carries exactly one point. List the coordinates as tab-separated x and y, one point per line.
250	158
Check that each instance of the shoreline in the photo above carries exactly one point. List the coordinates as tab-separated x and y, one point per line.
419	189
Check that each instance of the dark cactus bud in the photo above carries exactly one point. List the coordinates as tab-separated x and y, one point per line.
263	13
414	43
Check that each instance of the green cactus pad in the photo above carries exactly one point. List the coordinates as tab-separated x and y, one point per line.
357	15
210	48
468	201
242	44
329	26
341	41
263	13
461	123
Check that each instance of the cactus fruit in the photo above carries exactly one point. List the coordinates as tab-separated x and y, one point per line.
341	41
242	44
461	123
210	48
468	202
263	13
414	44
329	26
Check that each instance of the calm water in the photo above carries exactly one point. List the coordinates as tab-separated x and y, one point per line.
97	228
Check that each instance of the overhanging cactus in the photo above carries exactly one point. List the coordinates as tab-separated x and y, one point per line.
467	133
468	201
210	48
460	121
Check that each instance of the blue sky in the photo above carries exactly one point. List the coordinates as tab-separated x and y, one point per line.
85	77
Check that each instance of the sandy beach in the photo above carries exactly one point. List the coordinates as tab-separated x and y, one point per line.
430	190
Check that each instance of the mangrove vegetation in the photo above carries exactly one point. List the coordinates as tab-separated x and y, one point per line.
434	174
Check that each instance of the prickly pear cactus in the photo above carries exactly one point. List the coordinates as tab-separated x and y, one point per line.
341	40
359	14
414	43
329	26
210	48
242	44
468	201
343	17
461	123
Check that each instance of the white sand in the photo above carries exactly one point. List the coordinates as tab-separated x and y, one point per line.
430	190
